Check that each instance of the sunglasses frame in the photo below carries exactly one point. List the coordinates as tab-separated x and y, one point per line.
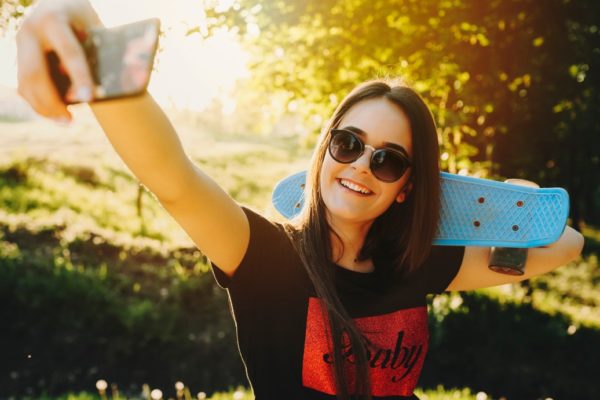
363	146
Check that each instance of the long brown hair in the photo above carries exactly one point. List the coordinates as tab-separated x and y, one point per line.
402	235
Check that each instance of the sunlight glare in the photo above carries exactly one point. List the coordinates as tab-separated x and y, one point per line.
189	71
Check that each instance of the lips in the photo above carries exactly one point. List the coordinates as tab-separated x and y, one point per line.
354	186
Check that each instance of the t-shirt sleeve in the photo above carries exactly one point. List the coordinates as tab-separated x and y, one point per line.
439	269
262	263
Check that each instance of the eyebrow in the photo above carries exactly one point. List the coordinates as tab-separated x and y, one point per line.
362	133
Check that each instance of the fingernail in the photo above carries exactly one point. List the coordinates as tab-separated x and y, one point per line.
84	94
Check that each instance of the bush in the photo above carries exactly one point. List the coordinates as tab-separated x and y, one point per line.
87	309
510	349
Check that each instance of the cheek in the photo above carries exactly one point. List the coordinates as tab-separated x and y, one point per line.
328	170
398	188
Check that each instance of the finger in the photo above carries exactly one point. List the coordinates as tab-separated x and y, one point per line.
34	82
83	20
522	182
63	41
62	119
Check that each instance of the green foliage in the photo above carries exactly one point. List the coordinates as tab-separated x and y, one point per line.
103	198
440	393
509	349
44	188
82	308
237	394
10	10
97	291
510	83
507	340
592	240
572	291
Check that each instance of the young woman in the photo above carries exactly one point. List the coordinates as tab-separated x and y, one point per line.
333	303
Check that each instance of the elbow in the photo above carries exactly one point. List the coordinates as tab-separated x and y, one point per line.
567	249
573	242
579	242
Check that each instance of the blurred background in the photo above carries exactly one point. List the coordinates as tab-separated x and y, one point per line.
97	283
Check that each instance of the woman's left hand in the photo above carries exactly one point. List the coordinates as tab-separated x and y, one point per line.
522	182
474	274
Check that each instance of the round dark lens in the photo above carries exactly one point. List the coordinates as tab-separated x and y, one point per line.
344	147
388	166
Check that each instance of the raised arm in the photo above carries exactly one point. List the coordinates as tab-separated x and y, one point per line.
145	139
138	129
474	272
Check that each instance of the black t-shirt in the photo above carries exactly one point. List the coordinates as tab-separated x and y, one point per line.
281	330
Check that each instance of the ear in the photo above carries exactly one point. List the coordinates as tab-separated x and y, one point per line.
404	192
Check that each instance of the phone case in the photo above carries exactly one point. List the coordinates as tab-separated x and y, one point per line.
120	60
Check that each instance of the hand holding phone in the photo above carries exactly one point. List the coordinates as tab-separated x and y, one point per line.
54	26
120	60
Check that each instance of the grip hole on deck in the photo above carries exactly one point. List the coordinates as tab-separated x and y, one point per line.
520	203
515	228
476	224
481	200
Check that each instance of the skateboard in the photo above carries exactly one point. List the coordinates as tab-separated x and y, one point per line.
474	211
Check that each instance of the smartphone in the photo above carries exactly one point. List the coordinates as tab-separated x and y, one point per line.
120	60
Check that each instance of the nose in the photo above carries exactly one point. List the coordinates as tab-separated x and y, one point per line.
362	163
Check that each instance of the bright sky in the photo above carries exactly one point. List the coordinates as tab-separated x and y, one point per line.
191	71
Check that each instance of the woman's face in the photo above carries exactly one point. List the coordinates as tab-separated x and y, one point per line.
383	123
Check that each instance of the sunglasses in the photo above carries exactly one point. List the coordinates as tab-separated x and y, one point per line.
387	164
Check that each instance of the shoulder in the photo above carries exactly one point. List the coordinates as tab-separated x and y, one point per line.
268	234
437	271
269	249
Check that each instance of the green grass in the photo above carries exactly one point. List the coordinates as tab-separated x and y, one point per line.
440	393
100	195
572	290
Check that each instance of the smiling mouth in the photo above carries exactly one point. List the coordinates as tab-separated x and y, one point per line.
354	187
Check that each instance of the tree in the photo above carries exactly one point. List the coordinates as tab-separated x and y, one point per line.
11	10
510	83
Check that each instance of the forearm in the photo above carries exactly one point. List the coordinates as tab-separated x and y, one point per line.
144	138
544	259
474	272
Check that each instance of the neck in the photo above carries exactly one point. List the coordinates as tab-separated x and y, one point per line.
346	248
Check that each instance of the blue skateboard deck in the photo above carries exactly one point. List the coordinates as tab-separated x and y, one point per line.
474	211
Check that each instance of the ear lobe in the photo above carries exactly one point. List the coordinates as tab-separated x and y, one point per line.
404	192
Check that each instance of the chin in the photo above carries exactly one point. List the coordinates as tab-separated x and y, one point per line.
345	214
348	213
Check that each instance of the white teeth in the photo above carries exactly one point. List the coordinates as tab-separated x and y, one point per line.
354	187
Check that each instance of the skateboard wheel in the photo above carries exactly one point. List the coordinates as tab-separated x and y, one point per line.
507	260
